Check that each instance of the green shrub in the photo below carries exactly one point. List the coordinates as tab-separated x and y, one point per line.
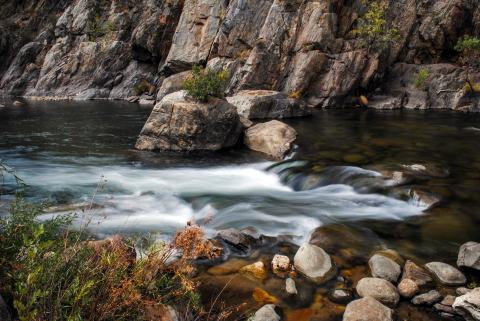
205	83
143	86
420	78
373	28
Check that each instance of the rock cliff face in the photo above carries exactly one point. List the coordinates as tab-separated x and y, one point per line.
112	48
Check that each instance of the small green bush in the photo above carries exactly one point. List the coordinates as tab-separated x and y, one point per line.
374	30
420	78
205	83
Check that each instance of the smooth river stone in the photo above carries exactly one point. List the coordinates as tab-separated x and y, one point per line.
379	289
446	274
468	305
367	309
384	268
469	255
314	263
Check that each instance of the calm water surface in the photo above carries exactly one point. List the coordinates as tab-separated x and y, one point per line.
73	153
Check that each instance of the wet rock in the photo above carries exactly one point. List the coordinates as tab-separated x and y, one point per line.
469	255
266	313
4	311
185	125
280	264
273	138
263	297
408	288
290	286
423	198
416	273
146	101
427	170
18	103
231	266
257	104
428	298
314	263
237	239
367	309
384	268
340	296
468	305
443	308
379	289
386	102
446	274
448	300
256	270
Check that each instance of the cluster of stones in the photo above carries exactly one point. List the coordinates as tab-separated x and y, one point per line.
179	123
392	280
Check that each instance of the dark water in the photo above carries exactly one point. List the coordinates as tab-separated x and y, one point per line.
81	153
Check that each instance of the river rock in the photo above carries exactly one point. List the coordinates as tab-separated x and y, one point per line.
257	104
446	274
146	101
423	198
280	264
379	289
408	288
462	290
290	286
428	298
468	305
384	268
367	309
18	103
180	124
266	313
273	138
469	255
173	84
314	262
237	239
257	270
132	99
340	296
416	273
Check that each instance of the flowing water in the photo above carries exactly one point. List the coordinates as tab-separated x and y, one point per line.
76	154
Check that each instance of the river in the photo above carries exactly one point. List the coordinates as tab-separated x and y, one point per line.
74	154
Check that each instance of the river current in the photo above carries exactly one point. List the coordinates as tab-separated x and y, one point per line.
79	157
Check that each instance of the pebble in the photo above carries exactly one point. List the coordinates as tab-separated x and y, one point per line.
290	286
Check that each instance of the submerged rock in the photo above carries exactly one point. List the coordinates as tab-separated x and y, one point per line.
367	309
266	313
468	305
423	198
384	268
469	255
180	124
273	138
314	263
257	270
379	289
290	286
340	296
255	104
428	298
446	274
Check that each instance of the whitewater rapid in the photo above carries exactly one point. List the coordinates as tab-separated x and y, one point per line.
128	198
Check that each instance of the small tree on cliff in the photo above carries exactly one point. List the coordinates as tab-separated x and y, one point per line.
373	29
469	47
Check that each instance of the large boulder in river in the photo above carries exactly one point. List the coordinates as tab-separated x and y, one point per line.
379	289
273	138
314	263
180	124
446	274
367	309
469	255
254	104
468	305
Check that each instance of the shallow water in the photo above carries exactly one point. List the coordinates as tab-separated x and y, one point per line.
82	153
